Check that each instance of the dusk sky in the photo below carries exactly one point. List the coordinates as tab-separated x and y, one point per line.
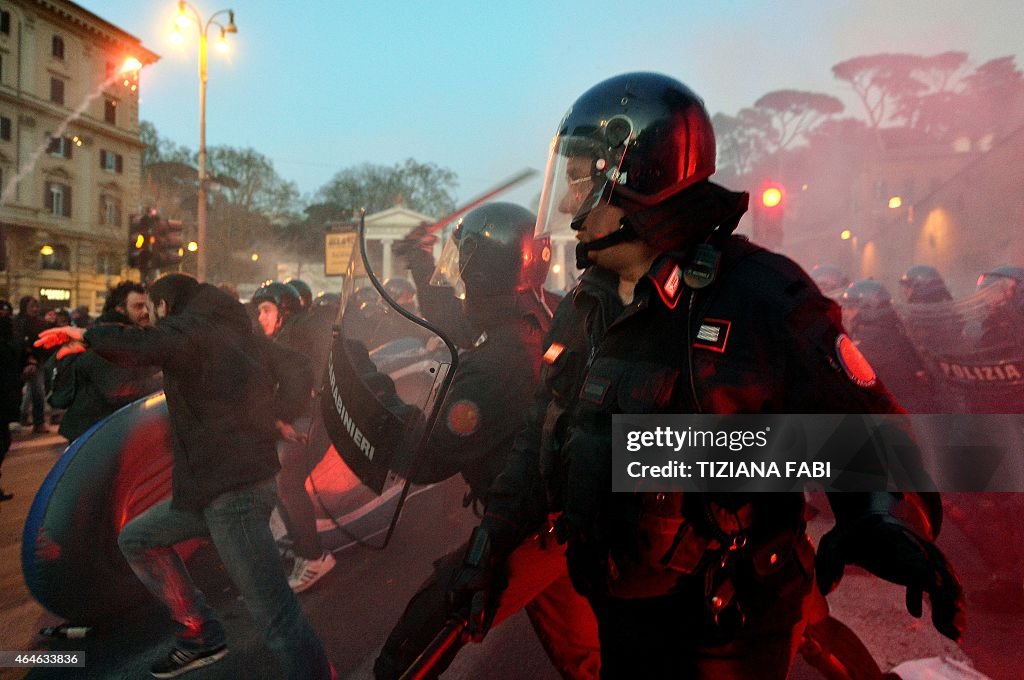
479	87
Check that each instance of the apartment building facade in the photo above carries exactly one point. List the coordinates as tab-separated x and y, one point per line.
69	151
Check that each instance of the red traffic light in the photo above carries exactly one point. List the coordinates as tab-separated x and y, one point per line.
771	196
767	213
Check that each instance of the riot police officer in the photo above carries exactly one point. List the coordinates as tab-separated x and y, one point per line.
707	322
495	258
878	332
829	278
1004	322
922	283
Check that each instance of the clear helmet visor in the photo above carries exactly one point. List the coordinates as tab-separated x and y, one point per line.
582	170
448	272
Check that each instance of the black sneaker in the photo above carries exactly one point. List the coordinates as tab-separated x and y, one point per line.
180	661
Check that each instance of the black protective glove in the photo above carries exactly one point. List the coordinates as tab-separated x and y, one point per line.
892	551
476	588
419	238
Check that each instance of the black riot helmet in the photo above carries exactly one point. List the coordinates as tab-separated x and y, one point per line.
829	277
304	291
866	301
327	300
281	294
922	283
635	141
493	250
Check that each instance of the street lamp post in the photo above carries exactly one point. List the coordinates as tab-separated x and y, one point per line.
204	30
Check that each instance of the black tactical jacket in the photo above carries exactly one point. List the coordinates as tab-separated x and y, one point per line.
760	339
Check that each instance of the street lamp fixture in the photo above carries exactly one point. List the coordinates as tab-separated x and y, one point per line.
193	246
187	14
131	65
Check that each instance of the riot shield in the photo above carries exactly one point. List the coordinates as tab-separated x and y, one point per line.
973	345
387	373
973	348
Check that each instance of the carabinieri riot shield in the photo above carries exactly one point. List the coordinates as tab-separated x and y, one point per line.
387	374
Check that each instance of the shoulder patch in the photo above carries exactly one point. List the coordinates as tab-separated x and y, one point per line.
667	277
553	352
463	418
853	363
713	334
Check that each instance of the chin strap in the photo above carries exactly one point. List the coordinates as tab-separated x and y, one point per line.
705	212
624	233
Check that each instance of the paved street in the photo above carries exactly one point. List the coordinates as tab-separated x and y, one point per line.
354	606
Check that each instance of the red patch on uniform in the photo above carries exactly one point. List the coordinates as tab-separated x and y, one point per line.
672	282
554	351
856	367
463	418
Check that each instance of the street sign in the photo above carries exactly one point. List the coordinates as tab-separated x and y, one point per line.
337	252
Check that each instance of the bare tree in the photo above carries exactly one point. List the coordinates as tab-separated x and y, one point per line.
741	139
794	113
881	81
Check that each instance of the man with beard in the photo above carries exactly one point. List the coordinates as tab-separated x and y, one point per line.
91	387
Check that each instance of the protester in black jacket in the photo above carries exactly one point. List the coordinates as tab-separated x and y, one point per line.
281	317
222	409
89	386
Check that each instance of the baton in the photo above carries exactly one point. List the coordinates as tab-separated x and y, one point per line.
443	642
499	188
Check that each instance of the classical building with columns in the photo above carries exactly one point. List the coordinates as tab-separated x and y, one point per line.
69	151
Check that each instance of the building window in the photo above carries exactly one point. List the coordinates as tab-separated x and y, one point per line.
110	210
57	47
57	91
60	146
107	263
111	162
5	128
57	199
5	22
57	257
110	111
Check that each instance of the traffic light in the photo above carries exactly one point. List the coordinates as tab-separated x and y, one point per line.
140	244
168	243
769	208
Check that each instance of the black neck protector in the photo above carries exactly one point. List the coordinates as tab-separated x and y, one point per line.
692	216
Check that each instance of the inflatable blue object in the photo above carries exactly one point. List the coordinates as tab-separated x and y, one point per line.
116	470
121	467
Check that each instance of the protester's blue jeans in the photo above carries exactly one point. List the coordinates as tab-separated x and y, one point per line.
238	524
